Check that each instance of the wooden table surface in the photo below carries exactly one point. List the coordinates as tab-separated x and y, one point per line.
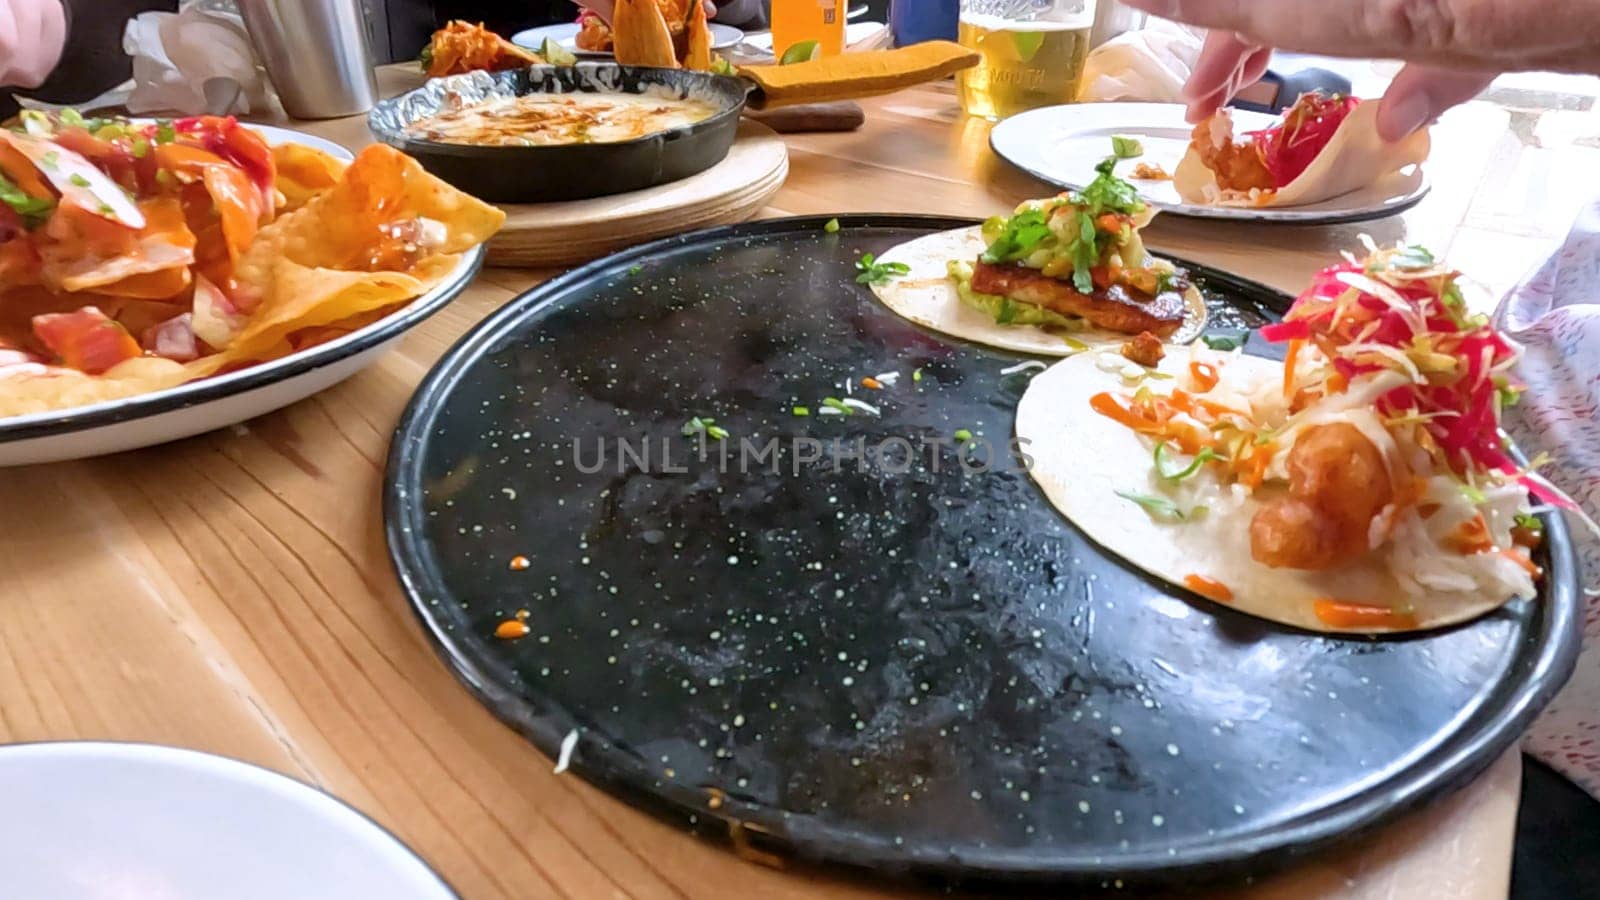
232	593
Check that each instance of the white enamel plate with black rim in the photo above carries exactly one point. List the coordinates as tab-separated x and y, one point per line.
145	420
1062	144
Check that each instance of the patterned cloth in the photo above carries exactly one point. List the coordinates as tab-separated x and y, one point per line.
1555	314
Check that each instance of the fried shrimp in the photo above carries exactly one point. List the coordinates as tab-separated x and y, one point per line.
1238	167
1338	483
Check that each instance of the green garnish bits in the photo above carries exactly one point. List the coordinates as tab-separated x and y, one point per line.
1126	147
832	227
32	209
1027	232
963	435
1176	475
802	411
707	427
1161	509
874	272
1223	342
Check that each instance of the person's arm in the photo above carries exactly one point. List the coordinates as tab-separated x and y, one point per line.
742	13
32	35
1454	47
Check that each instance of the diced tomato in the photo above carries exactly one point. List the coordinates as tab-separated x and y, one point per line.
86	340
224	136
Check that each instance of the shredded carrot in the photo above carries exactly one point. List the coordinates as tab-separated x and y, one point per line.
1208	588
1337	383
1470	537
1428	510
872	383
1108	406
1204	375
1344	614
1289	360
1521	559
1255	471
520	563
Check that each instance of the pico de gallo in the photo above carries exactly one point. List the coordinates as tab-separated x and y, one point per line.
111	230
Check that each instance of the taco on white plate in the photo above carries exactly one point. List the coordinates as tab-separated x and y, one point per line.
1362	486
1325	147
1057	277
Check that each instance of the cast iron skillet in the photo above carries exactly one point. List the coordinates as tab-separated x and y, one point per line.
569	171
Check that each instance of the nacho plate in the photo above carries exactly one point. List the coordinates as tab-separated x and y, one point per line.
154	417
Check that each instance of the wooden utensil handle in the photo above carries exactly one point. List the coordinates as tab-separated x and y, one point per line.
840	115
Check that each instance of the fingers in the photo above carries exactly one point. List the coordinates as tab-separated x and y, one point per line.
1420	94
1226	64
1476	33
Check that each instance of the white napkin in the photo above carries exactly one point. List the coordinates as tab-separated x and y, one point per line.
1149	65
176	54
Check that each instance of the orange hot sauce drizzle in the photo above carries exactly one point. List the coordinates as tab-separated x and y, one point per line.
1208	588
1344	614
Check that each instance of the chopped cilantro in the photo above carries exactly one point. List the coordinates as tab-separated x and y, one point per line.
1412	256
31	209
874	272
1022	234
1126	147
633	271
1165	282
1108	193
1085	254
1224	342
1530	523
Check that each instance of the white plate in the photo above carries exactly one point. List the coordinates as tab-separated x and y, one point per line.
83	821
722	37
1062	144
206	405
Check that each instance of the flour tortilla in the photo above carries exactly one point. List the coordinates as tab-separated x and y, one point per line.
1355	158
1081	459
927	295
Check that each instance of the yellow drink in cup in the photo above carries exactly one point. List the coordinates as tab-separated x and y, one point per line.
1026	63
816	23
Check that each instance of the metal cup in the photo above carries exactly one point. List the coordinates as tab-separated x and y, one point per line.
316	54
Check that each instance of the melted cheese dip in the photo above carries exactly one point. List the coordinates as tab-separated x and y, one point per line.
537	120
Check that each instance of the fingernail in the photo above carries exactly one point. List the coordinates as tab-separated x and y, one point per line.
1404	115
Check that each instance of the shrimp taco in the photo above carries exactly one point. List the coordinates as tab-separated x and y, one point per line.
1325	147
1362	486
1057	277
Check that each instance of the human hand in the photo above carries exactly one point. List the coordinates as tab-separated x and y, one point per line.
1455	47
32	35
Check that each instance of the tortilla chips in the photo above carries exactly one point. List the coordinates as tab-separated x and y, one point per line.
230	254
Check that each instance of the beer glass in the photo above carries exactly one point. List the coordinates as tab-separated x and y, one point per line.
1032	52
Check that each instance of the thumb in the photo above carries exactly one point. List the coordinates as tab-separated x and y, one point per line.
1420	94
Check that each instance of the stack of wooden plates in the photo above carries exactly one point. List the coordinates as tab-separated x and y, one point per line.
559	234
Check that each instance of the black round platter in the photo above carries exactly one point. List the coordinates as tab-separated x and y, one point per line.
894	656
